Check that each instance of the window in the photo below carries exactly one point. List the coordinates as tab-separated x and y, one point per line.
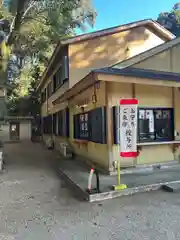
146	125
60	123
61	75
76	126
164	124
47	124
91	125
84	130
155	125
54	123
54	83
43	96
57	79
82	126
50	89
98	120
63	122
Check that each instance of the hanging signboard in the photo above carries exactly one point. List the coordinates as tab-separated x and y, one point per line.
128	127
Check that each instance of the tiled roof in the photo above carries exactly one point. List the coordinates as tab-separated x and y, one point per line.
141	73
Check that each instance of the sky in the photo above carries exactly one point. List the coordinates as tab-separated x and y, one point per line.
116	12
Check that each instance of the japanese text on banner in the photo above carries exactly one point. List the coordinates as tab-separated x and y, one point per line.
128	128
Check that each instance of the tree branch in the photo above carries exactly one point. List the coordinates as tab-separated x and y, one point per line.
17	21
31	5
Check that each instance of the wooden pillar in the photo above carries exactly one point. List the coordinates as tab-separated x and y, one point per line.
133	90
109	126
135	161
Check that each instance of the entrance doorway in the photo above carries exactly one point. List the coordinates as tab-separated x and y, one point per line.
14	131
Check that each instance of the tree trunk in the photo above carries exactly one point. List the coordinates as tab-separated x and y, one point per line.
17	22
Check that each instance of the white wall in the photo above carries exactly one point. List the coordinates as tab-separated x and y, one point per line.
25	130
4	132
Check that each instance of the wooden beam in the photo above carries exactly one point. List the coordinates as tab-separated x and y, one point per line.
109	125
135	80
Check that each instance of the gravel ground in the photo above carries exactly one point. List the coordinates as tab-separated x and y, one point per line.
35	205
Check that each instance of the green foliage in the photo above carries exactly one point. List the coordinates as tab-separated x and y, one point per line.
36	27
23	100
171	20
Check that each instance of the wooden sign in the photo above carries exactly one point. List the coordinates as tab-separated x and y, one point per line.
128	127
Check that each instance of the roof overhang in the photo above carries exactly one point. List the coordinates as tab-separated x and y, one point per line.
132	79
129	75
79	87
140	73
164	33
19	118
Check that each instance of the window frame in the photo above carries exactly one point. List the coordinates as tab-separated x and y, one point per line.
57	83
49	89
171	110
87	135
43	95
54	124
77	129
58	79
82	134
54	83
47	124
99	118
60	123
63	122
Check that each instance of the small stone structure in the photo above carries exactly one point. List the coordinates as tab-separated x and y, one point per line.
16	128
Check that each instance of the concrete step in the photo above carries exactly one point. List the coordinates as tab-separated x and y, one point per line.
171	187
150	168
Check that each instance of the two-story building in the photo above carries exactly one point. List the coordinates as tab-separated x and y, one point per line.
80	92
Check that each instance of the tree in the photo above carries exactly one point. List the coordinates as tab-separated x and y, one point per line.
34	29
171	20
